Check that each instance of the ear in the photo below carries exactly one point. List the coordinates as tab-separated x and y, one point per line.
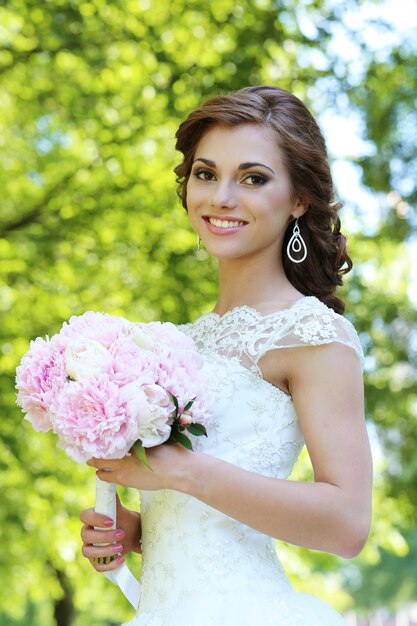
300	207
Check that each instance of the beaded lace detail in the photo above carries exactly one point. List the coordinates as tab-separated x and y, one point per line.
201	566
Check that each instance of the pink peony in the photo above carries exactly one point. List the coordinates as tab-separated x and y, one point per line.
93	419
168	335
39	378
129	362
100	327
180	374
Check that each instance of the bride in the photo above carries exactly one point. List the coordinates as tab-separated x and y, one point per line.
284	367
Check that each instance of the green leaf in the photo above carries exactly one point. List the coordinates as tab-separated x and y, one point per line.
175	428
188	405
140	452
197	429
175	401
182	439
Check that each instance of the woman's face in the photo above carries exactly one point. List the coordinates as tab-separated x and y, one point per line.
239	195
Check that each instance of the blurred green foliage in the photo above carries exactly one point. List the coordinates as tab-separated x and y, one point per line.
91	94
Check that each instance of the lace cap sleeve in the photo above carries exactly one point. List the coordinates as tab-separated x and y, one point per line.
309	323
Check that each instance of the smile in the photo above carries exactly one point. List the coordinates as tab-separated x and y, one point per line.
225	223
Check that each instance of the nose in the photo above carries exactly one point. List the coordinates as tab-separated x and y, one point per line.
223	196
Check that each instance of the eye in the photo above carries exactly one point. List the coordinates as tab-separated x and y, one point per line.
255	180
204	175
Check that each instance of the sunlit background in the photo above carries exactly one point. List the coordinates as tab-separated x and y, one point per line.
91	94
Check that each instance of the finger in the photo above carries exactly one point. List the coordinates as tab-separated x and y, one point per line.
90	536
105	475
91	518
102	552
108	567
101	463
98	463
108	464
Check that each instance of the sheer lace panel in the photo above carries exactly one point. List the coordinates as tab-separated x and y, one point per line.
245	335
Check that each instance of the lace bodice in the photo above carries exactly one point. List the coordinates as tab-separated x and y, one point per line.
190	549
245	335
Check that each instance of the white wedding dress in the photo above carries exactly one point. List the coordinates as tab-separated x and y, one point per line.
201	567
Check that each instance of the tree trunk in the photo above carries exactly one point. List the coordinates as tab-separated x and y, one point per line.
64	610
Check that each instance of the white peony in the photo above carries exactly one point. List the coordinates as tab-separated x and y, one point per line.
153	410
84	358
141	338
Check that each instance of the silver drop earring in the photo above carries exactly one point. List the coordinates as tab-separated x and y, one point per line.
200	253
296	245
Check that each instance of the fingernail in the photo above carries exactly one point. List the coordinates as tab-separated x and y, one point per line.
108	522
117	547
120	560
119	534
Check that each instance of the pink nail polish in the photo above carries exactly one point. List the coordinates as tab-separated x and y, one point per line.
119	534
117	547
108	522
120	560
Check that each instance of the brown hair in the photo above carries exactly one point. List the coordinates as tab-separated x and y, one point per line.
305	155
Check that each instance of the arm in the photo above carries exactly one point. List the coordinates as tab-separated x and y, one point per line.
333	512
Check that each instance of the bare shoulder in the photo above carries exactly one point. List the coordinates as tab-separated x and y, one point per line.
309	336
325	364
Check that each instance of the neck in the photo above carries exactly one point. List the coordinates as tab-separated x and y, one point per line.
253	282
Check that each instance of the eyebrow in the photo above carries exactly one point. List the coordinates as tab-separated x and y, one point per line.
242	166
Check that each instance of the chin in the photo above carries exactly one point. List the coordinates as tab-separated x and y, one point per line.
224	255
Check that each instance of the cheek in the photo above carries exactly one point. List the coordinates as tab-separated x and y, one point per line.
281	197
189	194
192	204
284	189
195	196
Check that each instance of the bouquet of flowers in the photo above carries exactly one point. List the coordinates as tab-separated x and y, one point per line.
106	386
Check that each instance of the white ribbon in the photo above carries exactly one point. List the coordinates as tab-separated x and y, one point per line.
122	576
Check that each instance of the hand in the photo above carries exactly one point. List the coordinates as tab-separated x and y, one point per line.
124	539
171	466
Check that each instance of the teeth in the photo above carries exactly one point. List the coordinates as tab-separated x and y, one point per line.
224	223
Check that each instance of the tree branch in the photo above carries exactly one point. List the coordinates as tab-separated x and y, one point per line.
33	214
